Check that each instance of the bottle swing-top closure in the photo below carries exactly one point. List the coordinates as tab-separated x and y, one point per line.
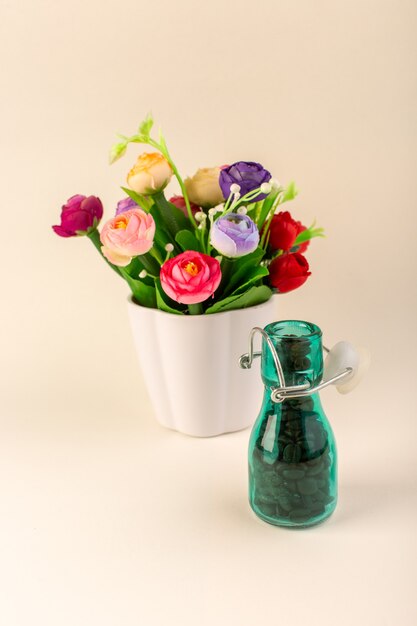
344	367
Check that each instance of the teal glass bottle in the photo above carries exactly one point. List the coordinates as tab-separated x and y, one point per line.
292	450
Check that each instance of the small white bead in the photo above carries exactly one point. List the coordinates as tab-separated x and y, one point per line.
242	210
169	247
275	183
200	216
236	196
234	188
143	274
266	187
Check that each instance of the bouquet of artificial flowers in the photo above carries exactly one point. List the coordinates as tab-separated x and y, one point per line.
223	244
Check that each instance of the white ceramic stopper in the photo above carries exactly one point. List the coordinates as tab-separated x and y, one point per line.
344	355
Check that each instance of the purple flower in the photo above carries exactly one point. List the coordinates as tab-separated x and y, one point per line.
79	216
125	205
247	174
234	235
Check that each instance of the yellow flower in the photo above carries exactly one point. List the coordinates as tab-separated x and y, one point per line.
203	188
150	174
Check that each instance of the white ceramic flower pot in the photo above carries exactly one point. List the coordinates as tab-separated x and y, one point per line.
190	366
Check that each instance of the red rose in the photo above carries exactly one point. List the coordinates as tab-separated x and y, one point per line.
283	232
288	272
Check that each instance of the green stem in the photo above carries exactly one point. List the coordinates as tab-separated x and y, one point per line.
227	267
201	238
246	198
195	309
163	148
154	252
228	202
94	237
266	228
149	263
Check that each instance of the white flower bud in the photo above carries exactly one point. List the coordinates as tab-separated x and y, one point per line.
234	188
242	210
236	196
218	209
266	187
275	183
143	274
200	216
169	247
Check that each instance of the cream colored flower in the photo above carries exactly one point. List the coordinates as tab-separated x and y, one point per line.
150	174
203	188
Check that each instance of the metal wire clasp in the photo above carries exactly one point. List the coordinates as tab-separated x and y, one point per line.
279	394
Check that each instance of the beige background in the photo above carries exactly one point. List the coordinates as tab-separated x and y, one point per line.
107	519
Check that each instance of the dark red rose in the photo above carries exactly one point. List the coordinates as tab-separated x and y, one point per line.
179	202
288	272
283	232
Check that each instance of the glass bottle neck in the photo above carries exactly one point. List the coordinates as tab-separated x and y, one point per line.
299	349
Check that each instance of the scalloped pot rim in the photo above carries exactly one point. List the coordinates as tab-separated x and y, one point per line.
199	317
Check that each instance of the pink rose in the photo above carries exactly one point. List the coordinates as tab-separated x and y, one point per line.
127	235
190	277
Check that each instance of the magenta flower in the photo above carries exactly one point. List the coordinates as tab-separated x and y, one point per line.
79	216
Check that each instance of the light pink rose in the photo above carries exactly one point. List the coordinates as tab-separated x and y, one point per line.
127	235
190	277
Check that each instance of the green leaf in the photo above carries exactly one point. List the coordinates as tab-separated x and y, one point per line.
266	207
290	192
174	220
252	297
142	201
307	234
162	300
117	151
144	294
187	241
145	127
242	268
143	262
162	237
255	274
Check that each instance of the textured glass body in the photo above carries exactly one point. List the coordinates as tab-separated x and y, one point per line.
292	451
